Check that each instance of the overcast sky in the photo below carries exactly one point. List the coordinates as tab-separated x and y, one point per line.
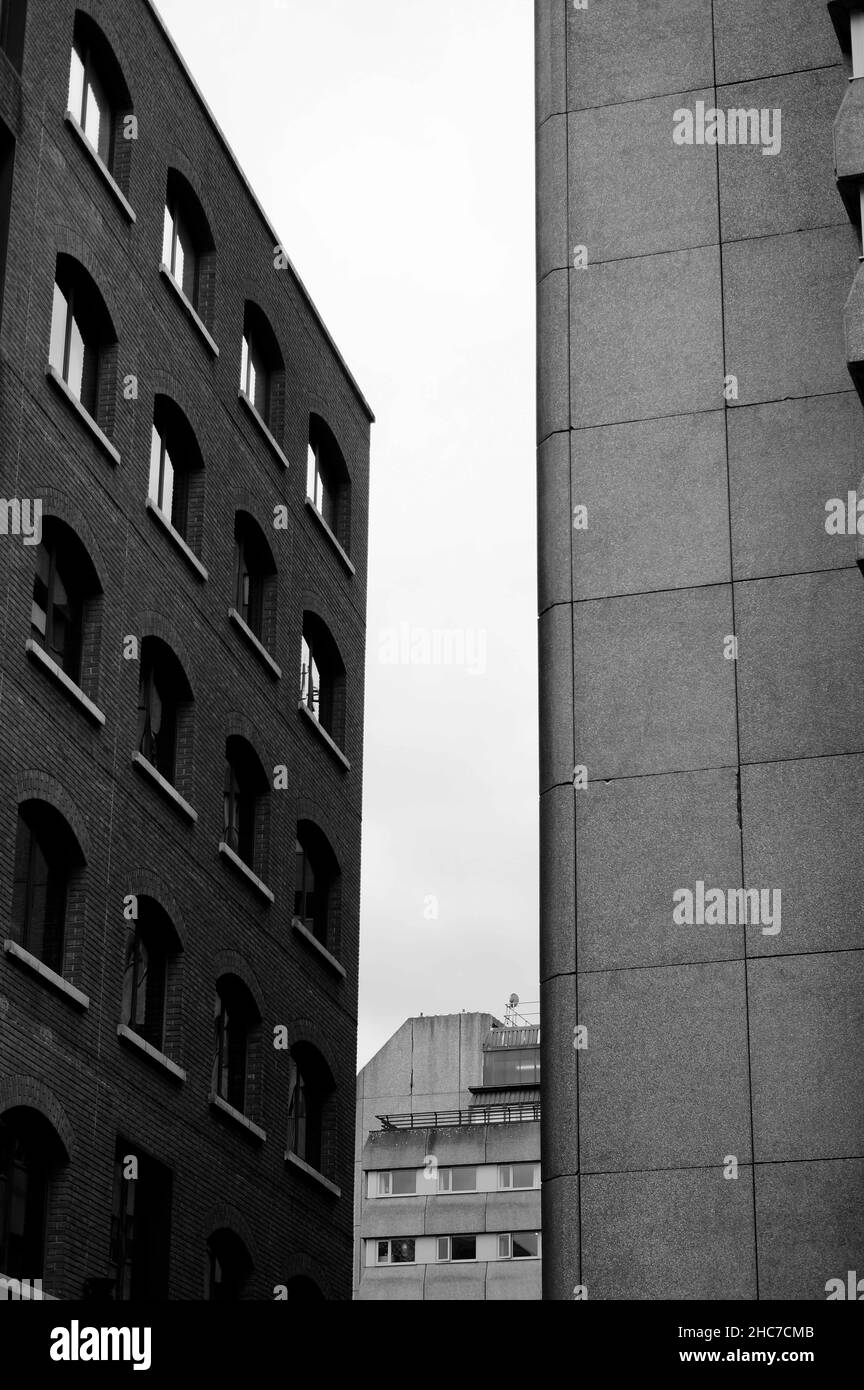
397	166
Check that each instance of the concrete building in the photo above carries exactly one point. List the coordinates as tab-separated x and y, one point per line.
447	1192
181	695
697	421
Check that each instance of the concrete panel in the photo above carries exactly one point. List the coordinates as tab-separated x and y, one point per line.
654	195
436	1058
798	638
561	1222
554	521
513	1211
473	1030
389	1071
658	510
561	1010
653	690
670	1046
393	1217
807	1055
639	841
780	344
519	1280
810	1220
551	49
456	1145
556	703
394	1148
762	194
392	1285
756	38
516	1142
553	399
608	48
668	1235
455	1214
459	1282
645	338
557	883
849	130
802	834
786	460
553	252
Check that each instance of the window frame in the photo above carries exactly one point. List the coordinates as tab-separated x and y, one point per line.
390	1242
389	1174
447	1189
92	81
510	1186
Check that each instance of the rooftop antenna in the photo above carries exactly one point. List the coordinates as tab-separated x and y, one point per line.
510	1014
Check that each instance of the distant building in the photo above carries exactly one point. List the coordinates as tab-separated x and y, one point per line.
447	1197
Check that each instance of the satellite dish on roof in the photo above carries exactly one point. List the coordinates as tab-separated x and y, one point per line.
513	1001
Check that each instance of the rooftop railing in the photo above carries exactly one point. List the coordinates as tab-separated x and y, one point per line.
477	1115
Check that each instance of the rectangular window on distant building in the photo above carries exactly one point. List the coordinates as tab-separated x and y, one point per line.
394	1252
402	1182
518	1176
463	1248
457	1179
523	1245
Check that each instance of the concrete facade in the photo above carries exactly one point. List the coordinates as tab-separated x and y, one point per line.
706	515
62	1061
430	1065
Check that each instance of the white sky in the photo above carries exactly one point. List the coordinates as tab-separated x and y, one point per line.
391	142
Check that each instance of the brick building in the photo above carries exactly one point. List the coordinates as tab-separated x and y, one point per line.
184	475
697	399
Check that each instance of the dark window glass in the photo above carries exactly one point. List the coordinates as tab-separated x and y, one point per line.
311	895
526	1245
145	980
511	1066
23	1193
250	571
158	705
57	612
228	1267
232	1026
463	1248
140	1226
40	886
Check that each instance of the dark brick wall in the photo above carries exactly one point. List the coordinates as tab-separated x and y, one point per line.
133	838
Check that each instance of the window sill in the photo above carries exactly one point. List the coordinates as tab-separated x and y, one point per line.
343	556
189	309
127	1035
147	768
322	950
102	168
174	536
83	415
217	1103
258	647
258	884
264	429
313	1173
41	658
50	977
323	734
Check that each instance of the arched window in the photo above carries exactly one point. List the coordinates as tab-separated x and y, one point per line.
139	1251
13	24
327	481
229	1267
301	1289
82	337
236	1021
64	587
262	369
245	789
254	578
164	699
316	886
151	951
188	247
311	1109
176	483
322	678
47	856
30	1153
99	99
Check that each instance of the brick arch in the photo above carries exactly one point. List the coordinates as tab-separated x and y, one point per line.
99	12
314	603
240	725
70	242
166	383
175	158
59	505
304	1266
306	1030
232	963
224	1217
153	624
246	501
34	785
317	813
145	884
26	1091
